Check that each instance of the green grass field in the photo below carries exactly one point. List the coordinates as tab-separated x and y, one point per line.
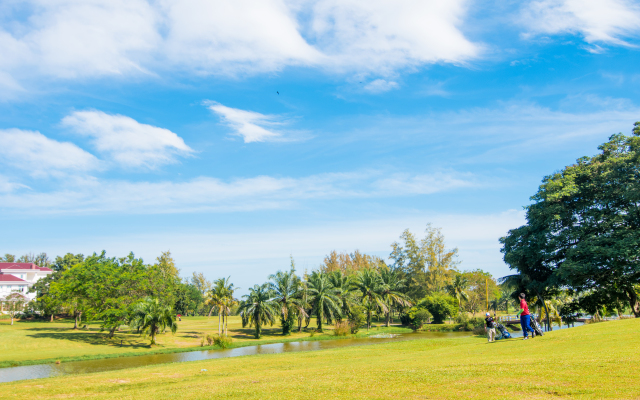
595	361
29	342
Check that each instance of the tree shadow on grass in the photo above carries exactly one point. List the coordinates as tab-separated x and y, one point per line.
92	338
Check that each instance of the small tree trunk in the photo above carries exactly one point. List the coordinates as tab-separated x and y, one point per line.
633	301
51	318
388	319
368	319
219	327
75	324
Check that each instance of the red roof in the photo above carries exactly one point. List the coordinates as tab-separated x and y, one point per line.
10	278
6	265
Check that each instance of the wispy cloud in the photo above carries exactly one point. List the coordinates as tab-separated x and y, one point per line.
253	126
97	196
380	86
41	156
508	131
126	141
221	251
599	21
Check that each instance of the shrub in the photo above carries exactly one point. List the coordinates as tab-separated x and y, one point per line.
222	341
479	330
209	339
356	319
440	306
342	328
419	318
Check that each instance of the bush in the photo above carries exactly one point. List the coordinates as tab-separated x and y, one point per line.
479	330
469	324
209	339
342	328
356	319
420	317
440	306
222	341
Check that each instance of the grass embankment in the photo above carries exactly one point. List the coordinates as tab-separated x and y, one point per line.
27	342
595	361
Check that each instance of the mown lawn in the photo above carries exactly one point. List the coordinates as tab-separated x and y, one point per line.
595	361
27	341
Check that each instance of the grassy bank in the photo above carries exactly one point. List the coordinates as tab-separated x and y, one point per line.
594	361
28	343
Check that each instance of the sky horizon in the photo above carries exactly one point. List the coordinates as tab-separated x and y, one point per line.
239	133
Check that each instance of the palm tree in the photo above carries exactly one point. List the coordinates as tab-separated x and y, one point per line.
505	297
457	288
150	317
285	287
226	289
323	297
258	308
369	283
217	297
342	285
391	293
303	304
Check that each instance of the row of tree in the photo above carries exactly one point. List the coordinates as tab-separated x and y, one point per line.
422	280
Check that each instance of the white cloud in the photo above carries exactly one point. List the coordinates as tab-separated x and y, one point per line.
77	38
604	21
41	156
380	86
381	36
250	125
70	39
127	141
95	196
234	36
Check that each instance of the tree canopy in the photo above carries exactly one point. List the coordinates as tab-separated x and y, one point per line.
583	229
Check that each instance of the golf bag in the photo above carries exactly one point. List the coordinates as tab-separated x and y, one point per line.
536	326
504	333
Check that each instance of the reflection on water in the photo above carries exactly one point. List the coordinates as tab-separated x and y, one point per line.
110	364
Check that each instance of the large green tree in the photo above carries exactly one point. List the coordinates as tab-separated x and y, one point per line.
428	264
583	228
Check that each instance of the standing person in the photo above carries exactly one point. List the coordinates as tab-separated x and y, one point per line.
525	318
490	328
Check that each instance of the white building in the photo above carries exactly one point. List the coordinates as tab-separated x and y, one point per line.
19	277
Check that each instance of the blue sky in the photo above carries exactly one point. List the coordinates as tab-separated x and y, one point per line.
237	133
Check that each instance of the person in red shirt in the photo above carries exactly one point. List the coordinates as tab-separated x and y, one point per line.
525	318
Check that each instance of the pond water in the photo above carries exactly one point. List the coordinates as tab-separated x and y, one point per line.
110	364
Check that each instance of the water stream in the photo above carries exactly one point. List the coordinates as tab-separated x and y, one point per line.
110	364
